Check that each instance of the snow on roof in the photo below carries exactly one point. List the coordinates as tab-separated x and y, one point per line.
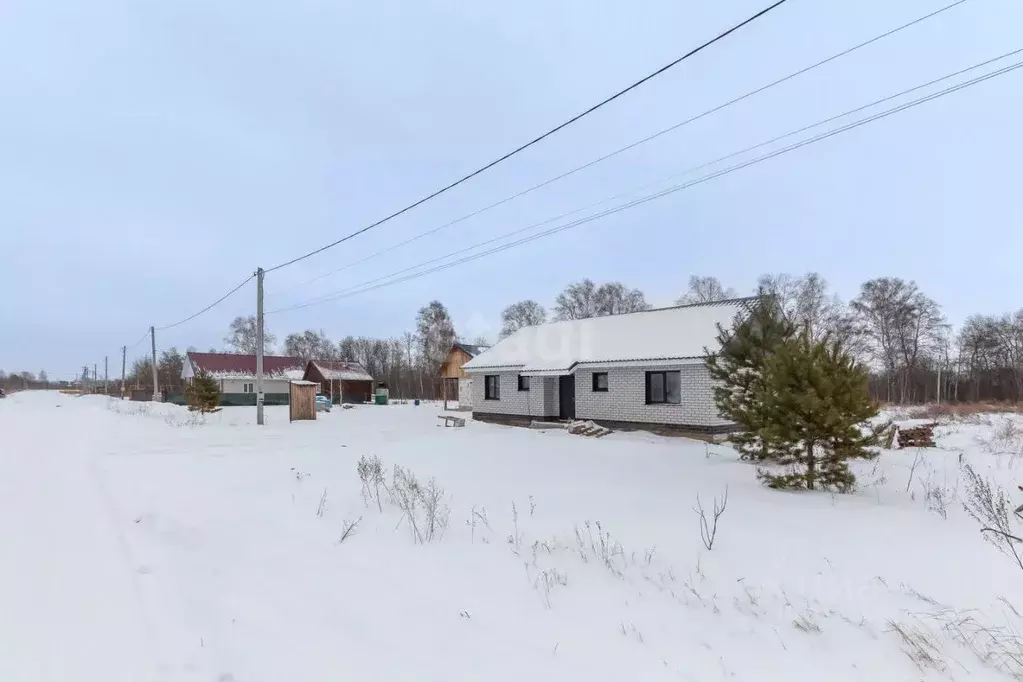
243	366
338	370
665	334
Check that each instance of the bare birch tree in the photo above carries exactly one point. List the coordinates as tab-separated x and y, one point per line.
705	290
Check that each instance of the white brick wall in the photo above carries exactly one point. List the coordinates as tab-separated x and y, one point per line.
465	392
625	399
540	400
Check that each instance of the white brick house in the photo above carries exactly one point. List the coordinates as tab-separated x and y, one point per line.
637	370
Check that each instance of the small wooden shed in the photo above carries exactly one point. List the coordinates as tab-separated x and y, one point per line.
302	400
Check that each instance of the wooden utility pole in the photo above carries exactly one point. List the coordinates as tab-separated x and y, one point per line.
124	362
156	388
106	375
259	346
95	378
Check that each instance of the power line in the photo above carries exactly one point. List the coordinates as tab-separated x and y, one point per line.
191	317
327	297
141	339
637	143
535	140
363	288
211	305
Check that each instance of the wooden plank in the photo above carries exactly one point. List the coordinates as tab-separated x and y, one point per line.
302	402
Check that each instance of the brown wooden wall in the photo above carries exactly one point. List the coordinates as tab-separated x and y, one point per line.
356	391
452	367
302	401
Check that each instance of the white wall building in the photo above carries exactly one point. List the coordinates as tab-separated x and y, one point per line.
236	374
637	370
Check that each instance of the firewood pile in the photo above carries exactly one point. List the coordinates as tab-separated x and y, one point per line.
917	436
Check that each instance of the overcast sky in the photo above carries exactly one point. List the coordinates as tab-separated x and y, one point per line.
153	154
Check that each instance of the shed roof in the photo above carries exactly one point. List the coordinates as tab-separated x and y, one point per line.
242	365
472	349
341	370
680	332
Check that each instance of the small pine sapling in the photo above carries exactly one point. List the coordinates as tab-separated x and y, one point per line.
203	393
739	371
813	405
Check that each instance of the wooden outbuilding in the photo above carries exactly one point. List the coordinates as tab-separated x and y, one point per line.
343	381
302	400
458	384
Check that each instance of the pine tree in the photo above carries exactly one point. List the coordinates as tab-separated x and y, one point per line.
812	402
203	393
739	371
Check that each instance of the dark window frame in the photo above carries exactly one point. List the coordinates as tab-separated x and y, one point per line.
664	387
595	387
496	394
526	377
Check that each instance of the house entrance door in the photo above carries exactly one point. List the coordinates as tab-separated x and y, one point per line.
566	395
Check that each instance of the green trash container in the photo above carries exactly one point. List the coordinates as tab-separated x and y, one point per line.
381	399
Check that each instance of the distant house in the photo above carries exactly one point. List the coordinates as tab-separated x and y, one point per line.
343	381
236	374
638	370
457	383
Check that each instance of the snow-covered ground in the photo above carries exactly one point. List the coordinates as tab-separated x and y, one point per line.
140	544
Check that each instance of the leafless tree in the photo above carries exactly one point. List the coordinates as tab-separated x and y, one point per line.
346	349
705	290
522	314
585	299
902	325
990	357
805	301
577	302
241	336
709	531
436	334
169	369
310	345
614	298
409	342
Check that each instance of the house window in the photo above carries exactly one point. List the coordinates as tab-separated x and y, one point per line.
492	387
663	387
247	388
523	383
600	382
